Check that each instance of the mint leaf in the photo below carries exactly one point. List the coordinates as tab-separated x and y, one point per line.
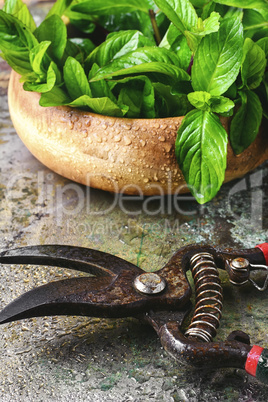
75	79
116	46
59	7
169	102
104	106
55	97
16	41
19	10
253	64
263	43
209	25
199	99
102	88
54	30
110	7
131	96
218	58
146	101
84	44
14	35
180	12
176	42
204	101
201	149
161	68
246	122
255	22
144	60
244	3
47	84
39	59
221	105
262	92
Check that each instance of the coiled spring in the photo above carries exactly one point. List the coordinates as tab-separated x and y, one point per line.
208	293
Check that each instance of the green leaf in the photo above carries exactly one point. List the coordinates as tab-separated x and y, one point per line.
137	20
131	97
116	70
54	30
221	105
39	59
104	106
253	64
263	43
199	99
246	122
55	97
169	102
234	12
116	46
84	44
102	88
256	23
144	60
218	58
14	35
59	7
244	3
209	25
74	51
46	86
19	62
19	10
16	41
144	91
193	40
262	92
75	79
111	7
180	12
201	149
199	3
204	101
177	43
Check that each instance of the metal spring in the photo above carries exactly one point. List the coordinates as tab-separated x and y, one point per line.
208	292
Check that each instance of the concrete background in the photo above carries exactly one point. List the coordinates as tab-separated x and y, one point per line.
91	359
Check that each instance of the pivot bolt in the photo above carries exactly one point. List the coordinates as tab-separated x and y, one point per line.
149	283
239	264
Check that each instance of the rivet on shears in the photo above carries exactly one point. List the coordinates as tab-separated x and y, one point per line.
149	283
239	264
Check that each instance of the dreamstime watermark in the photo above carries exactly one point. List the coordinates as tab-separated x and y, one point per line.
67	201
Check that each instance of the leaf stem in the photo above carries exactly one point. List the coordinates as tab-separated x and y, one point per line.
155	27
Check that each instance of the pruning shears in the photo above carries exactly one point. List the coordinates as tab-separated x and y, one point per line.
117	288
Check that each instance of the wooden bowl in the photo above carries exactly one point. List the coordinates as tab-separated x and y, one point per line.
133	156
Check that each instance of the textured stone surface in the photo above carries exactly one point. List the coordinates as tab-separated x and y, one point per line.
91	359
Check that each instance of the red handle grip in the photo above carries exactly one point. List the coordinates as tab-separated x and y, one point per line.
257	363
264	248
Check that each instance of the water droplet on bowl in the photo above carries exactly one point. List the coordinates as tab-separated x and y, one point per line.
127	141
117	138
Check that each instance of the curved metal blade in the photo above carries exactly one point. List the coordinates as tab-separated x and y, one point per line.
79	258
75	296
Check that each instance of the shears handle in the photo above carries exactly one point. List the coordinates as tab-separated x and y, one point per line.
257	363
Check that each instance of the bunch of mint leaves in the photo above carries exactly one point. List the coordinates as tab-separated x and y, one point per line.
157	58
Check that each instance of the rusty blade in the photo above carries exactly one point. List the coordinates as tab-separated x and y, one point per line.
90	296
78	258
